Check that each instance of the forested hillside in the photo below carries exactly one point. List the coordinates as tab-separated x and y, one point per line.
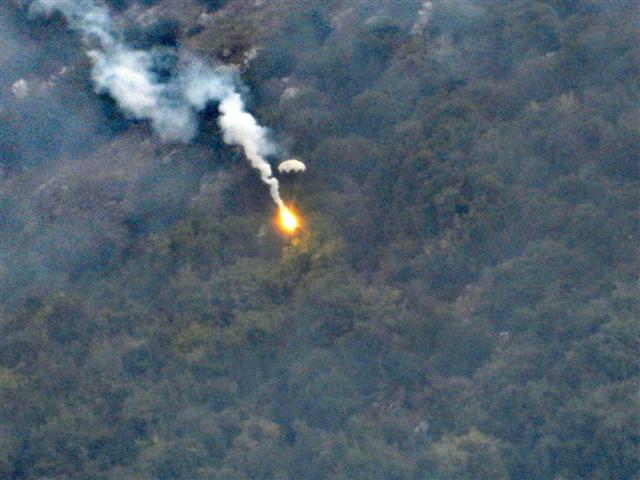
460	304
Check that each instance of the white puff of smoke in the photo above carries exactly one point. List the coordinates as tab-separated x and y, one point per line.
86	16
127	76
422	17
20	88
202	84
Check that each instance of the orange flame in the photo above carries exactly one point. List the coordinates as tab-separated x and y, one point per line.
288	221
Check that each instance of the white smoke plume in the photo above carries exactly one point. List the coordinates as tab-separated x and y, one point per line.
422	17
20	88
171	105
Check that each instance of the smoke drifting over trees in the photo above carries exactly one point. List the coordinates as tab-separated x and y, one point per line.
133	78
461	303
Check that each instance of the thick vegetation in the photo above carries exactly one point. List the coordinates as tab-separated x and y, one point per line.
461	303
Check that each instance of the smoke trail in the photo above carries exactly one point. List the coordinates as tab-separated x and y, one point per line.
130	77
423	17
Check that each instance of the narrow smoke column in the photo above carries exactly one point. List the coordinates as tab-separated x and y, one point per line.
127	75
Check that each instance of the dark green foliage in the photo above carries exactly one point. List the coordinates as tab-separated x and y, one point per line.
461	304
163	32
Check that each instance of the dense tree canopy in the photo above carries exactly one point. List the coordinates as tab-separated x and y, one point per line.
461	303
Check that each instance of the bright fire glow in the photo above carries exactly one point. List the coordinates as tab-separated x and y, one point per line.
288	220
